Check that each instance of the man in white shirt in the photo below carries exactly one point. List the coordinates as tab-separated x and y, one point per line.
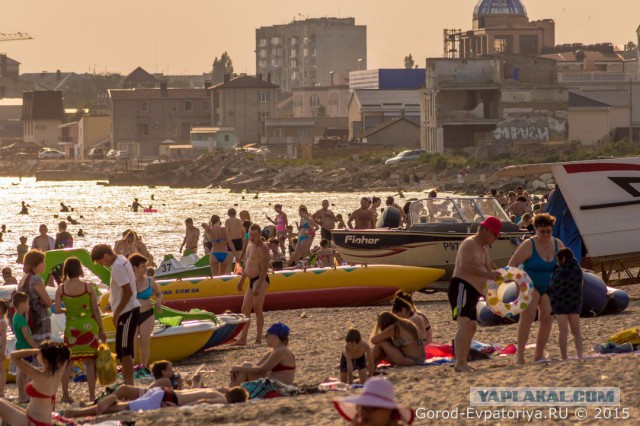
124	305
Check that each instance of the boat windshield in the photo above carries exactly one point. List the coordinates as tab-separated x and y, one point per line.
455	210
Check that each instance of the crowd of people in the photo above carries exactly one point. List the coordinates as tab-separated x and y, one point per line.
242	246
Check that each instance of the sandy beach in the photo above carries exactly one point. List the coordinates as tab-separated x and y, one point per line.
317	339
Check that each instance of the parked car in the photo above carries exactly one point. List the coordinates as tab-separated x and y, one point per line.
122	155
112	154
50	154
96	154
412	154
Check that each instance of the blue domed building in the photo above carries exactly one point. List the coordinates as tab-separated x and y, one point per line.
501	26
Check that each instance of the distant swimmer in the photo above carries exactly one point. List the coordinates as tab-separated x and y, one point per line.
64	208
25	209
72	220
152	197
80	233
256	196
3	228
135	205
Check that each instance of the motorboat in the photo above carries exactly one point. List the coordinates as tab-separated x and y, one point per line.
437	227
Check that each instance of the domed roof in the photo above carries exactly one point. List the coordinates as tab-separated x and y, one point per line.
499	7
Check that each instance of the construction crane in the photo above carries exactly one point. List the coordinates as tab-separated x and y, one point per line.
14	36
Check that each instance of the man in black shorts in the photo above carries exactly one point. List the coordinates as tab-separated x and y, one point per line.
472	270
124	305
327	220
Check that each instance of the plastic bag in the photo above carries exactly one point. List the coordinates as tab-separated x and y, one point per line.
631	335
106	366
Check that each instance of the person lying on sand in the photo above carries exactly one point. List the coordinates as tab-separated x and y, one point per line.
397	341
277	364
159	397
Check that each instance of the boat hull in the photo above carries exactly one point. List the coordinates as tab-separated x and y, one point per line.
311	288
402	247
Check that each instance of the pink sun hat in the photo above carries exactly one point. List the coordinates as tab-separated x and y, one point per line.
377	392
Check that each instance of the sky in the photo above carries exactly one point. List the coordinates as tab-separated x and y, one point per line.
184	37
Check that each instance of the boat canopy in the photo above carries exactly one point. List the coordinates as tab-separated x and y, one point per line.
455	210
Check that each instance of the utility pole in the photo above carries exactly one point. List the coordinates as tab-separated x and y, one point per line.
631	109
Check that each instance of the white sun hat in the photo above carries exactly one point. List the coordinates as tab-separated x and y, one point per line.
377	392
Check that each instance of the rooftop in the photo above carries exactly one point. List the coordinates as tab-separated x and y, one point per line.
158	93
579	101
499	7
389	98
246	82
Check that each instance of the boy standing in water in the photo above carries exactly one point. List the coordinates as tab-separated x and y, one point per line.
191	238
256	270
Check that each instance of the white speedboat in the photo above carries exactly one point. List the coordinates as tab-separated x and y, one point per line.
438	226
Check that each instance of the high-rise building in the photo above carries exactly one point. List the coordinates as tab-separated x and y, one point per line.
318	51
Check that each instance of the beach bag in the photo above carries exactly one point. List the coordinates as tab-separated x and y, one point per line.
106	367
261	389
631	335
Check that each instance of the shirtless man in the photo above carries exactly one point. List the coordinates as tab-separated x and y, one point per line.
327	220
363	217
472	270
191	238
233	225
255	270
373	208
43	242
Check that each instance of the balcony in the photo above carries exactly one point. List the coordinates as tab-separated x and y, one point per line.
595	77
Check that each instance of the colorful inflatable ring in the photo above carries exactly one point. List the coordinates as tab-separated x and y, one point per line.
525	285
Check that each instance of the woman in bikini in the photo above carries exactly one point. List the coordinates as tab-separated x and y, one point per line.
281	223
307	228
145	288
537	255
220	243
404	308
397	341
277	364
83	327
45	381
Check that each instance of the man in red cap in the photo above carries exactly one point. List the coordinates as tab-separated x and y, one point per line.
472	270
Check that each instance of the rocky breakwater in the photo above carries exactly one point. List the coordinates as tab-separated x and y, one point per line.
239	171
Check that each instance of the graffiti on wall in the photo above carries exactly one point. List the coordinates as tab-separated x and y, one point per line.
526	129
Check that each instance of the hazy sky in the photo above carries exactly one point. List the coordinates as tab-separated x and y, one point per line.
184	37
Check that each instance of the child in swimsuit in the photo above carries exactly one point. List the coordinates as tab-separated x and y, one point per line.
325	257
356	357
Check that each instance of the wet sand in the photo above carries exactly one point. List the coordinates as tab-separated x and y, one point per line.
317	340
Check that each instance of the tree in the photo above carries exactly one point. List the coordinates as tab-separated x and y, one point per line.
220	67
408	62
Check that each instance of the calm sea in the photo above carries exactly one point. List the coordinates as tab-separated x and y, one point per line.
104	212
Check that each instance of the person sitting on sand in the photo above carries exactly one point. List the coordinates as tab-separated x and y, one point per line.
159	397
277	364
404	308
397	341
45	381
356	357
375	406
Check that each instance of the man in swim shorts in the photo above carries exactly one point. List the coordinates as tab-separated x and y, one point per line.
233	225
327	220
191	238
471	272
256	271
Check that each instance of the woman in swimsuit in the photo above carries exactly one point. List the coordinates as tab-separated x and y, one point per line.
277	364
281	223
83	326
306	229
404	308
397	341
145	288
537	255
45	381
220	242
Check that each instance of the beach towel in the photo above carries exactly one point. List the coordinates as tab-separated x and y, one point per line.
267	388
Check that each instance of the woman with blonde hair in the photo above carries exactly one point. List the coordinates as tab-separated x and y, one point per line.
397	341
307	228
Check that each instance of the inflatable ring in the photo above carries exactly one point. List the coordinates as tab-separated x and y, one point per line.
525	285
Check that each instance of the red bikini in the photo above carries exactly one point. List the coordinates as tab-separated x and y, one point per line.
34	393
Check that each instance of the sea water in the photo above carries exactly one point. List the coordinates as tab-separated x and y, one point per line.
104	212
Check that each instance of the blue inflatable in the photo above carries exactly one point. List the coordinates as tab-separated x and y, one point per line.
617	301
594	295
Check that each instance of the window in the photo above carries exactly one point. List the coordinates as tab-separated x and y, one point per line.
262	42
314	101
305	52
263	96
306	40
263	53
275	41
174	106
294	41
262	63
294	52
294	63
144	106
313	52
275	62
529	44
302	132
503	44
294	75
226	138
188	106
205	105
277	132
263	116
143	129
277	51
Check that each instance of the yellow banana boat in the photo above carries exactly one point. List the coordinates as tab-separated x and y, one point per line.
295	289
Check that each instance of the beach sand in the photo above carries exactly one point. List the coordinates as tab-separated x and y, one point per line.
317	340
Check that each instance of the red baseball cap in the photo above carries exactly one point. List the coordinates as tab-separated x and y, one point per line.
493	224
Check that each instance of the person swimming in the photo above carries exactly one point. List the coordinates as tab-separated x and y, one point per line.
25	208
